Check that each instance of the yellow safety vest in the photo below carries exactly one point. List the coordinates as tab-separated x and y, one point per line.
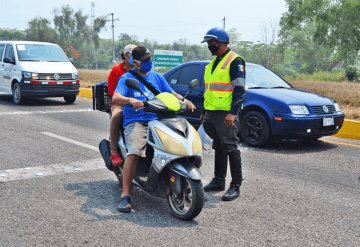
218	85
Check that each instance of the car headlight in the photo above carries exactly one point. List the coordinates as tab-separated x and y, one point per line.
74	76
30	75
337	107
299	109
27	75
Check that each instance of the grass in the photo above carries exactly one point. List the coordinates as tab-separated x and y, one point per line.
88	77
336	76
347	94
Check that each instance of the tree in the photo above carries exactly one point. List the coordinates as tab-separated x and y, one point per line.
76	35
330	23
39	29
11	34
65	23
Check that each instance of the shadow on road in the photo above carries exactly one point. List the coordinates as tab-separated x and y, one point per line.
103	198
8	101
297	146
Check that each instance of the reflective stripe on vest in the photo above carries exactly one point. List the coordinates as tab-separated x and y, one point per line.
218	85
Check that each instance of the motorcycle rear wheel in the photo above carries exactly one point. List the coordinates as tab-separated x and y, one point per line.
190	202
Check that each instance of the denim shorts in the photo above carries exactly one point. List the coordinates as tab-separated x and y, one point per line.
135	138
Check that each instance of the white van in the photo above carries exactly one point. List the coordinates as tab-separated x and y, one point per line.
37	69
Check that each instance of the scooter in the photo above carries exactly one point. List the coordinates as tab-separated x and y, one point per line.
173	158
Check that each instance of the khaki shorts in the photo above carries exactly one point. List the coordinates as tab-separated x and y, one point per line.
135	138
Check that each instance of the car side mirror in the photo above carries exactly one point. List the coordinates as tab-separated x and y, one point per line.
193	85
9	60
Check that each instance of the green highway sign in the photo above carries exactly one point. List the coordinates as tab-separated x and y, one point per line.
166	58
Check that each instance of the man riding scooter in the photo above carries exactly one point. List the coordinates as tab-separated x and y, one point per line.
135	118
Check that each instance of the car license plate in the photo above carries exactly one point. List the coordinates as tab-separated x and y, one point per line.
328	121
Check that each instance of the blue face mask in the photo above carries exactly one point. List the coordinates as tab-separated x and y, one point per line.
146	66
131	61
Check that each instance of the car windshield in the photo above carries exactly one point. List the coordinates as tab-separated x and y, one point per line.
40	52
260	77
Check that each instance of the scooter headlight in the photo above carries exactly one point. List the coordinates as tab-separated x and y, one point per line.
197	144
170	144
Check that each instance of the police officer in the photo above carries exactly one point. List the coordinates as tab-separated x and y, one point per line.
224	87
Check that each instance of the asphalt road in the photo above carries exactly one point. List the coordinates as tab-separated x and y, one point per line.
55	191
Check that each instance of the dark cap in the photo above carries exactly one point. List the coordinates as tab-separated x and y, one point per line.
140	53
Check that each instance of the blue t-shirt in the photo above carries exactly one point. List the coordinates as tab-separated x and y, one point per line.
156	80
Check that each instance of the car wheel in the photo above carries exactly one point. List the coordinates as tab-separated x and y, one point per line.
70	99
18	98
255	129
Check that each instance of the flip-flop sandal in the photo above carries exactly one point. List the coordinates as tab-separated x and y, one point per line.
116	160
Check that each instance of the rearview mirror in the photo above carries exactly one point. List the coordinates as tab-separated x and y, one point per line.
133	84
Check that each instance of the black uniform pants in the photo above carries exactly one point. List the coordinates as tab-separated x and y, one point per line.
225	145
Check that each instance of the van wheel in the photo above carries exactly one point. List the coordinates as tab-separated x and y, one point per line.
18	98
70	99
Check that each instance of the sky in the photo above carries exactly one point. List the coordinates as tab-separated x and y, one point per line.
164	21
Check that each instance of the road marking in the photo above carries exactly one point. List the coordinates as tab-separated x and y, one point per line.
45	112
71	141
342	143
50	170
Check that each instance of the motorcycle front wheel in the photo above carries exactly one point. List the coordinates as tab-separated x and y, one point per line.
189	203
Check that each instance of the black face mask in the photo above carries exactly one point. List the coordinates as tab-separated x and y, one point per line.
214	48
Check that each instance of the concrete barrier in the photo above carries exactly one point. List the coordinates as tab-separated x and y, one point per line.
350	128
86	93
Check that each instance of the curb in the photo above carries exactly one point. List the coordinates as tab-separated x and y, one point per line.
85	93
349	130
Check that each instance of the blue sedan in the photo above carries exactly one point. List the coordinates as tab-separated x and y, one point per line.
272	108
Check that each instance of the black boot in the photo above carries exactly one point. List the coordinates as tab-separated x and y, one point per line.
215	185
236	175
235	168
232	193
218	182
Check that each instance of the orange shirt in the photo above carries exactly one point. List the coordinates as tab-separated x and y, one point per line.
116	72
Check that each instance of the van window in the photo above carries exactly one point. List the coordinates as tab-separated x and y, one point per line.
9	52
40	52
2	47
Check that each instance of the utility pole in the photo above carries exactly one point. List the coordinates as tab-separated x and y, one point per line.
92	16
223	22
113	37
92	20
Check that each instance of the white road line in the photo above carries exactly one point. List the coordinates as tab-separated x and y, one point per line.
50	170
45	112
71	141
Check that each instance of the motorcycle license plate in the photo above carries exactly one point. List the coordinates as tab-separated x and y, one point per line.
328	121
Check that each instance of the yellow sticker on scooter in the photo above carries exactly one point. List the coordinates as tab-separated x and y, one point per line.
169	100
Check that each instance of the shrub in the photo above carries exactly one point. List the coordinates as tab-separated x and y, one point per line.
337	76
351	74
